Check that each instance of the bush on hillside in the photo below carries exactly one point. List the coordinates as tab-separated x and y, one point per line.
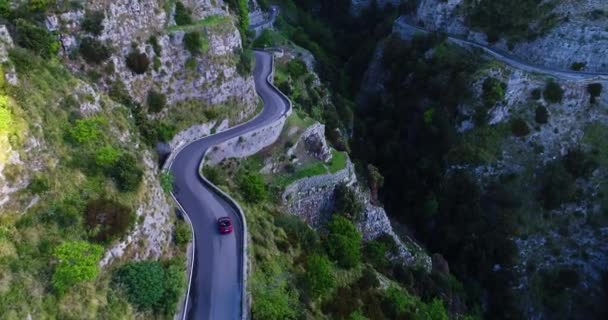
375	253
519	127
106	156
193	41
183	15
183	234
541	115
347	202
93	22
94	51
553	92
156	101
36	39
298	232
252	186
107	220
126	173
493	91
153	41
319	278
77	261
536	93
344	242
138	62
296	68
594	90
143	283
245	62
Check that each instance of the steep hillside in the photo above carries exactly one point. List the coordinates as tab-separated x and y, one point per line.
87	89
557	33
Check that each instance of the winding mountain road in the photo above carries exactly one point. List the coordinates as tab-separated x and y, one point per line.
403	25
216	290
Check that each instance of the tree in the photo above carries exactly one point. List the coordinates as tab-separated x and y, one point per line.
553	92
347	202
319	278
77	261
138	62
166	181
143	283
126	173
578	163
94	51
193	41
519	127
296	68
344	242
182	14
252	186
93	22
36	39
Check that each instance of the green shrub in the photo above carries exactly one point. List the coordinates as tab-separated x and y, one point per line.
252	186
126	173
296	68
493	91
39	5
536	93
143	283
298	232
38	185
275	297
519	127
93	22
577	66
77	261
88	131
214	174
107	220
375	253
174	284
156	101
193	41
183	15
347	202
36	39
397	302
594	90
553	92
541	115
94	51
556	186
319	276
106	156
344	242
183	234
166	181
138	62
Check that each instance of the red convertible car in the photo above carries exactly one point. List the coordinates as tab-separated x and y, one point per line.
225	225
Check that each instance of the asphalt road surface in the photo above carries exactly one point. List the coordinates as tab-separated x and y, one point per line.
217	284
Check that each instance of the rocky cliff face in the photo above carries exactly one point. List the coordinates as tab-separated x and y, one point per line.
579	37
312	199
210	78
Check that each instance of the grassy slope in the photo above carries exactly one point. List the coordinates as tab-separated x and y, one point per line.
48	99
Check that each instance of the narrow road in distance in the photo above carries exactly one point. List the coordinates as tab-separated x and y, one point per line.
402	24
216	289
